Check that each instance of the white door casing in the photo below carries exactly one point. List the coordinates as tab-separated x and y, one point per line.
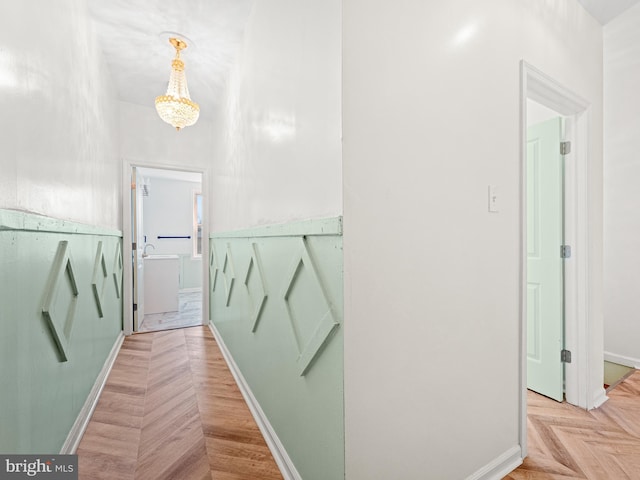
127	232
580	389
137	235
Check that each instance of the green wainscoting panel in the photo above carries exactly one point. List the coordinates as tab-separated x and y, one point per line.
277	302
60	314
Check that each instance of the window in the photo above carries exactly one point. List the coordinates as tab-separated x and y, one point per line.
197	224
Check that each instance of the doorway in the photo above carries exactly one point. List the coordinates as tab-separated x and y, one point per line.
579	386
165	232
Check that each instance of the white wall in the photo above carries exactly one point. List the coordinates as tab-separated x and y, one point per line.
431	117
168	211
622	195
58	114
277	137
146	140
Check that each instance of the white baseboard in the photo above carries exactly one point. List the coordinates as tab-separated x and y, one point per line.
622	360
501	466
599	398
80	425
280	455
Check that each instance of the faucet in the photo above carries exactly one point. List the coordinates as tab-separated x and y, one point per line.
144	252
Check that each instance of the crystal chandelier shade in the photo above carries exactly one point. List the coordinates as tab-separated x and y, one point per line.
176	107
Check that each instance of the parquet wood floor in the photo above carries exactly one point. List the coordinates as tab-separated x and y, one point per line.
171	410
568	443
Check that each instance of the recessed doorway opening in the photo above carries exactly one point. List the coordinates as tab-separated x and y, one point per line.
166	279
571	113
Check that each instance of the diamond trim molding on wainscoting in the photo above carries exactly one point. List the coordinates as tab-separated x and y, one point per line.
227	266
213	270
327	322
117	270
257	306
99	274
61	324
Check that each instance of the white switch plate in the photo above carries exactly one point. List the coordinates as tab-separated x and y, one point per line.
494	198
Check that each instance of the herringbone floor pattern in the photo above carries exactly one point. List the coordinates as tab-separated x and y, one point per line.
568	443
171	410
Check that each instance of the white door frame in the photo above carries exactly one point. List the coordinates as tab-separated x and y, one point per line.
127	281
541	88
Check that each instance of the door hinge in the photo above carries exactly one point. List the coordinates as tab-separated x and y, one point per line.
565	251
565	148
134	246
135	307
565	356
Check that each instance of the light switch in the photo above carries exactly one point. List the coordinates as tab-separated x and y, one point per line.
494	198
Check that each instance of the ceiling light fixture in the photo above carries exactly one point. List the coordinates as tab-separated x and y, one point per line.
176	107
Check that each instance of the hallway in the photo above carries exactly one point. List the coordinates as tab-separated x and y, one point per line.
171	409
361	217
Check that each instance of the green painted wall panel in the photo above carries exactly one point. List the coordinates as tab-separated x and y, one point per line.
293	361
41	394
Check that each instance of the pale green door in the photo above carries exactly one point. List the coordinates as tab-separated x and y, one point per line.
545	309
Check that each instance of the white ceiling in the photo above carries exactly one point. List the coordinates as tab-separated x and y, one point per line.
133	38
606	10
139	55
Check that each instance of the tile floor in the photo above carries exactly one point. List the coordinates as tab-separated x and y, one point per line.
189	314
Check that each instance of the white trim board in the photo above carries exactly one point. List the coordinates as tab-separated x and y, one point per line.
32	222
622	360
314	226
501	466
80	425
280	455
600	398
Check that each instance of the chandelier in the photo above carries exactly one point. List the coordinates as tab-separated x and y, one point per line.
176	107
